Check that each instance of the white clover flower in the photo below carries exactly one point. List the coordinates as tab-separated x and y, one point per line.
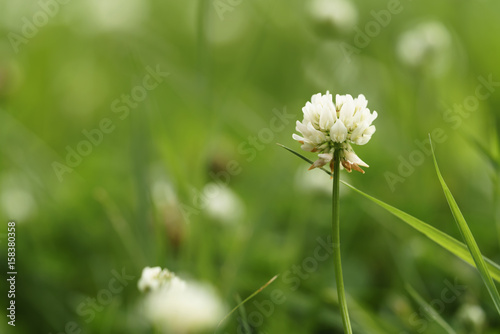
473	316
153	278
223	204
17	203
313	182
176	306
96	16
17	199
327	125
184	309
340	13
426	41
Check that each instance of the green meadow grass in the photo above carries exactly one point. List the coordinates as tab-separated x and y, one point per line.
121	207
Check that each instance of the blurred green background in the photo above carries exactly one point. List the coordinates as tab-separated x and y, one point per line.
137	196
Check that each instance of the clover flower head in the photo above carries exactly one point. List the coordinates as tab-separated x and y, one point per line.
176	306
328	125
223	204
426	42
339	13
154	278
189	308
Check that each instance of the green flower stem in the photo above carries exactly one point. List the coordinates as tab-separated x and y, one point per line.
336	241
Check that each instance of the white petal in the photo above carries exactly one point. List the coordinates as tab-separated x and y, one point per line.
358	132
362	140
314	135
338	132
326	156
340	100
301	127
362	115
369	131
354	159
346	113
361	101
316	98
298	138
310	113
323	160
326	119
309	147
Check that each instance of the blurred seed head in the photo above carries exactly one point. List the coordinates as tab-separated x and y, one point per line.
165	199
163	193
399	305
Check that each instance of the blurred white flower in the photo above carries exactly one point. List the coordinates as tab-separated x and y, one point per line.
316	181
96	16
340	13
426	41
163	193
17	203
327	125
473	316
154	278
222	204
118	14
16	199
178	306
